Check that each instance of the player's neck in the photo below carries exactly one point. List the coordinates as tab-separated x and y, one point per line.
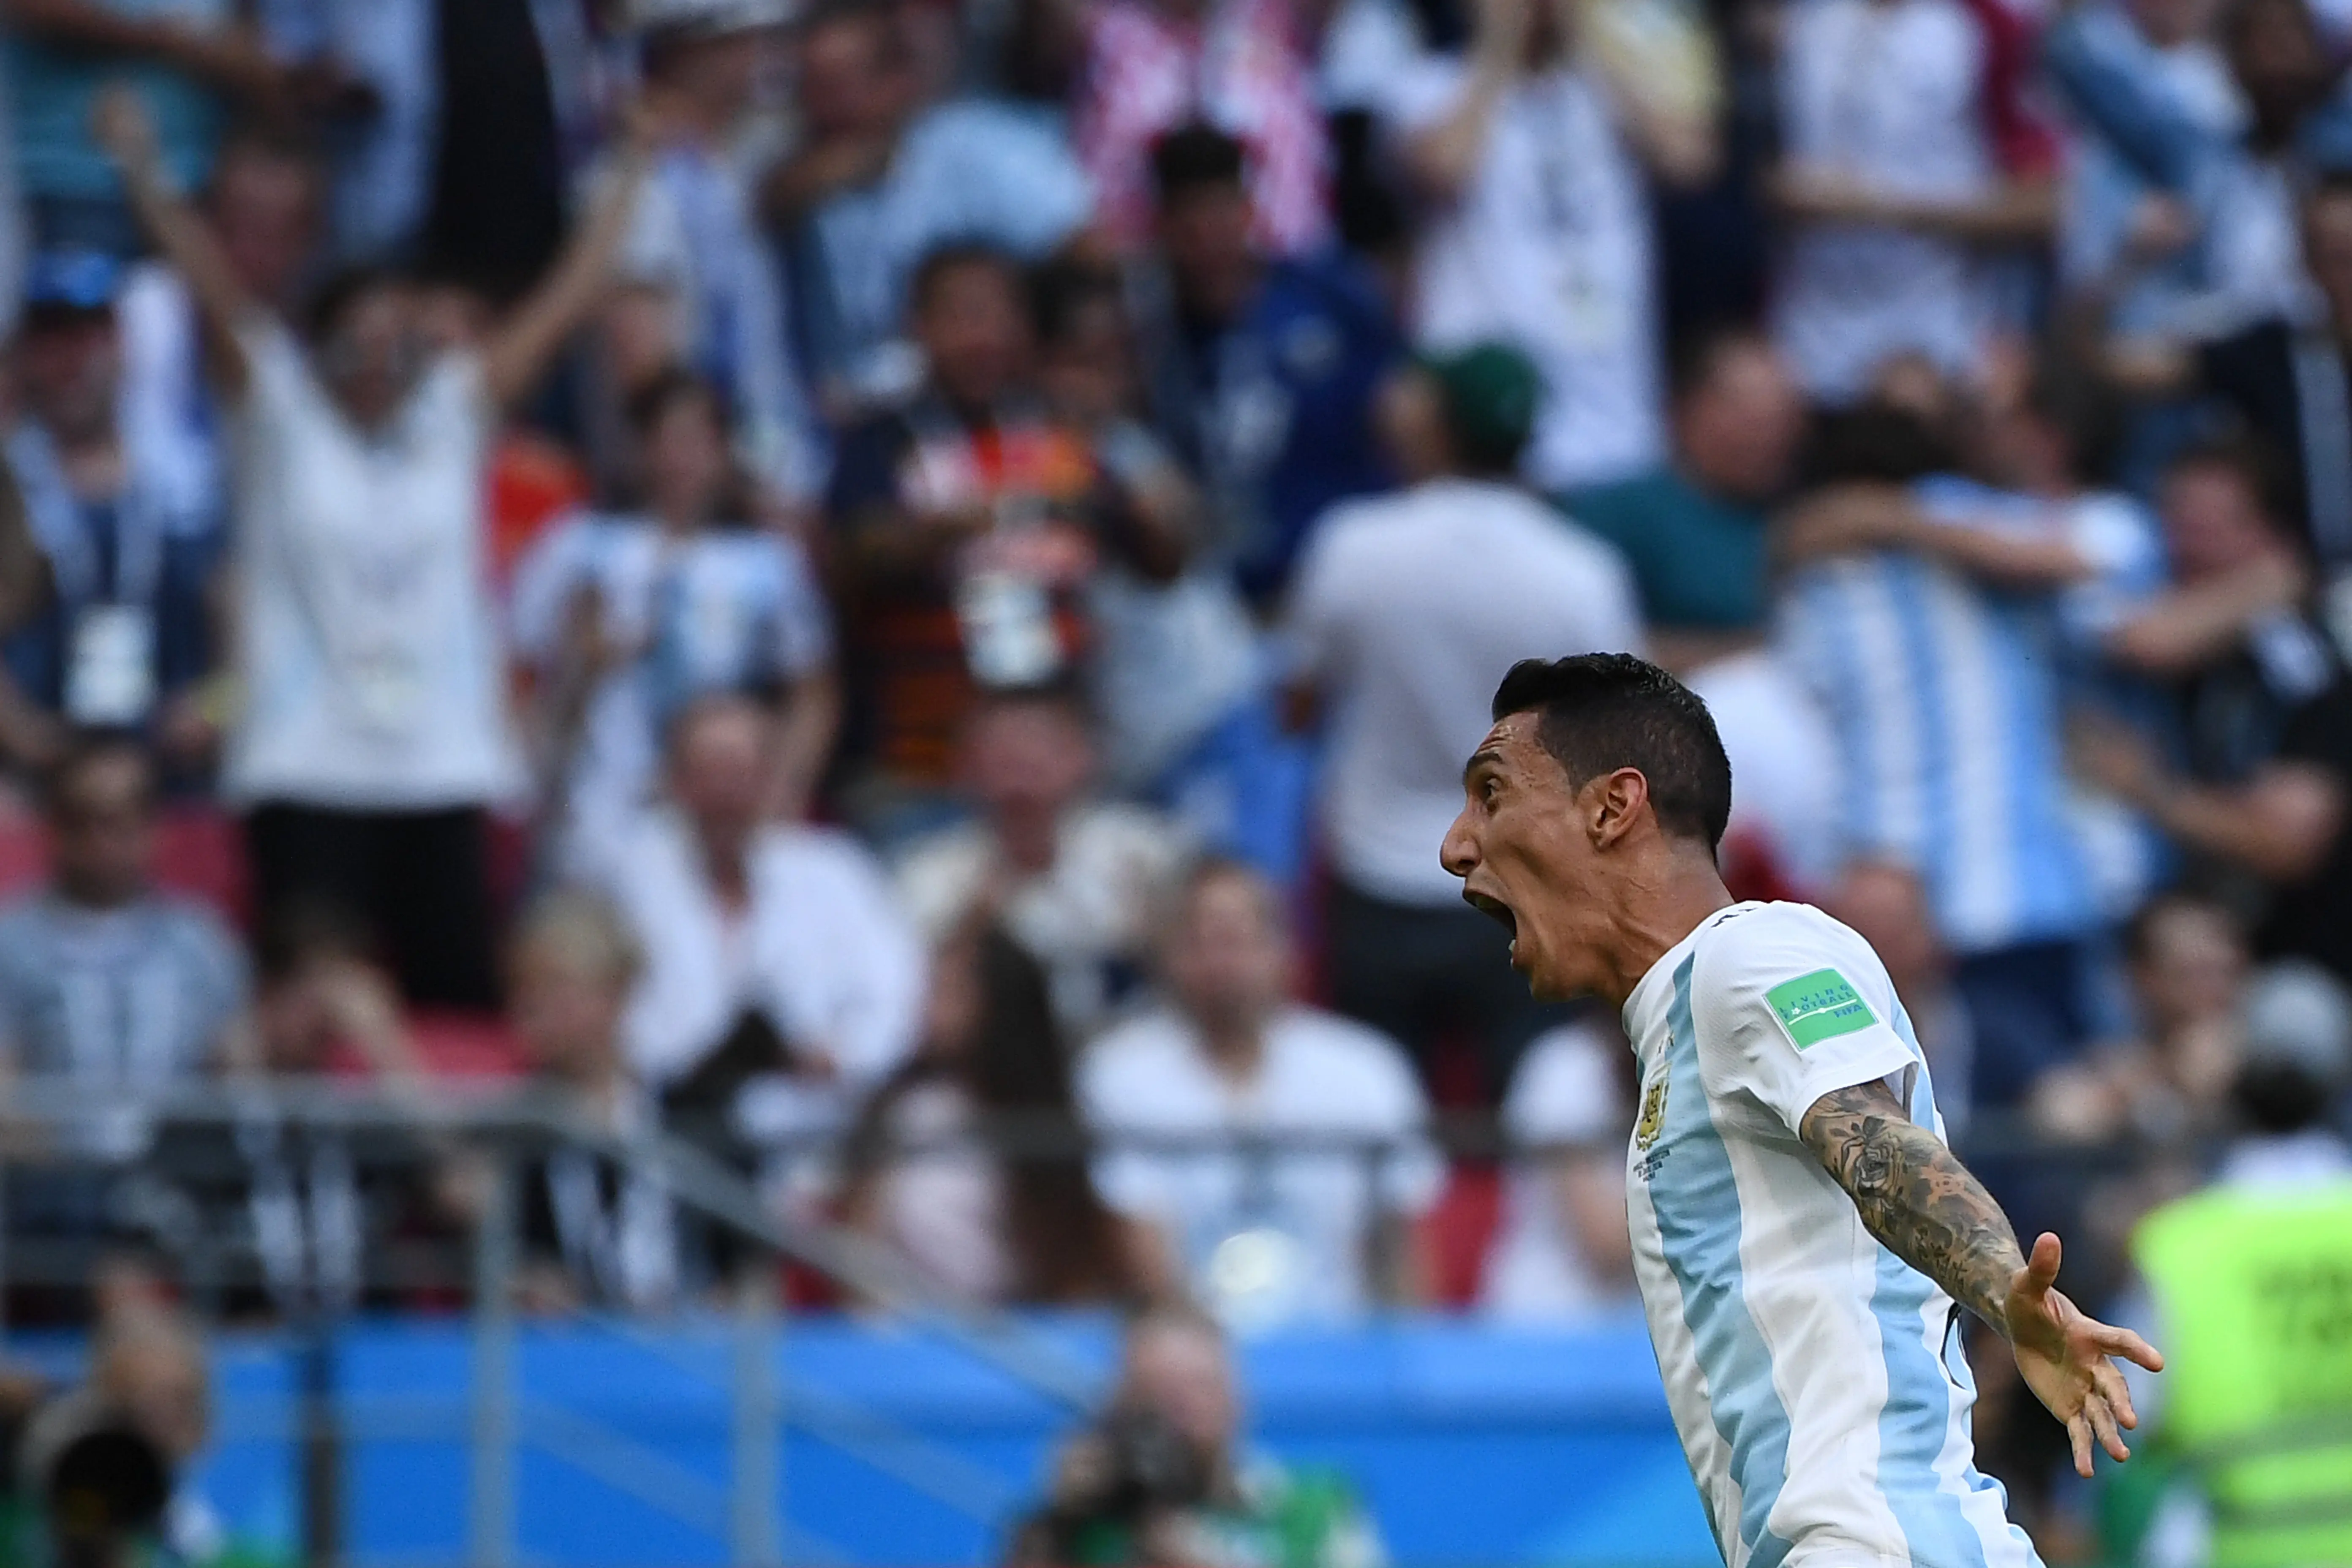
1662	905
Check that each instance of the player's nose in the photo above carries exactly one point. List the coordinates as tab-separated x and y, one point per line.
1458	853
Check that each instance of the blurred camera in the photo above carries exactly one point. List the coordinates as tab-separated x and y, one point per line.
97	1485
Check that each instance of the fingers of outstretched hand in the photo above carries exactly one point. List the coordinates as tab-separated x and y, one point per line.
2078	1438
2112	1341
2042	1268
2110	1387
2103	1422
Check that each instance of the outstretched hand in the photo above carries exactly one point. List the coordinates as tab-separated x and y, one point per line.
2066	1357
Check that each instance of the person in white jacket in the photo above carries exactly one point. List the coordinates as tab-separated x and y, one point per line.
781	980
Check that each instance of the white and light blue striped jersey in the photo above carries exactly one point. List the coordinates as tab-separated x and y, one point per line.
1817	1381
1947	697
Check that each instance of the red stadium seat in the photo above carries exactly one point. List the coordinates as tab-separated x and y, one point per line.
465	1045
1457	1231
200	854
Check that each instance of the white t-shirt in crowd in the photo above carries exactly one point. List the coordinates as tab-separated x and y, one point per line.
1549	249
368	640
1889	95
1408	610
822	951
1817	1381
940	1202
1564	1091
1267	1234
1086	919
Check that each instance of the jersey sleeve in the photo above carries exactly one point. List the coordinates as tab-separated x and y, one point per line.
1788	1006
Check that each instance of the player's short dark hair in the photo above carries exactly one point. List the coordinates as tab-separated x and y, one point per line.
1596	712
1195	157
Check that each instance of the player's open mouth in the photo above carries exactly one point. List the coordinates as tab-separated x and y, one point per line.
1496	910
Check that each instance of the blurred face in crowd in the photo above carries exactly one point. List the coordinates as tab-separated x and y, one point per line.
718	771
1205	230
156	1378
1180	1370
720	76
1085	372
566	990
2279	59
265	206
974	332
686	463
1228	957
1410	417
69	370
1887	906
2166	23
1739	425
1026	762
371	350
2213	521
102	829
2191	967
2328	250
850	81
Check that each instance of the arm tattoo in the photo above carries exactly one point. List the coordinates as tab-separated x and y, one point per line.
1915	1197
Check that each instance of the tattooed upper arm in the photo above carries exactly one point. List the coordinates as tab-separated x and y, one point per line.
1915	1195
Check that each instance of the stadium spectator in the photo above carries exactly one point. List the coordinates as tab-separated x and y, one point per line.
1143	68
1928	617
694	233
129	531
1692	529
101	929
1561	1252
1162	1476
266	200
1303	1160
775	957
595	1232
623	617
2274	1216
1260	371
374	733
1077	880
1532	155
1406	608
1886	904
375	61
2283	379
109	990
147	1363
881	181
2266	713
1906	163
2169	1082
1176	672
970	521
1014	1225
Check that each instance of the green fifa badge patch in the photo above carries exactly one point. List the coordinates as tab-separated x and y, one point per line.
1819	1006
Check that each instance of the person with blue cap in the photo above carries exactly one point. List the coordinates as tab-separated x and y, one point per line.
127	534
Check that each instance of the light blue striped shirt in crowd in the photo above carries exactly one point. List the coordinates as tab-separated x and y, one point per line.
1947	696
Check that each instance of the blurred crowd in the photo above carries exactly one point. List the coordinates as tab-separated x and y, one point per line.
898	589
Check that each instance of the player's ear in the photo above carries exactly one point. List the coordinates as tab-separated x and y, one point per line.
1614	803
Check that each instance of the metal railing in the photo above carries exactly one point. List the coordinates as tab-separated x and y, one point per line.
57	1125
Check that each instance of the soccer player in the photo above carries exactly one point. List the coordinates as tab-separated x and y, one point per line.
1800	1232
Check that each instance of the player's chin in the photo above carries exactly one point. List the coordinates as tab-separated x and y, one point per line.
1542	978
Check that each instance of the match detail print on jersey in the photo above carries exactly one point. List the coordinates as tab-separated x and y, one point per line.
1819	1006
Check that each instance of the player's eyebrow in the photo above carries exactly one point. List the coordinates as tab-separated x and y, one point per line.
1483	757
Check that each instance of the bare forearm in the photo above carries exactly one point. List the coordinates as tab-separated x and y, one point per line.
519	353
2019	213
1917	1197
